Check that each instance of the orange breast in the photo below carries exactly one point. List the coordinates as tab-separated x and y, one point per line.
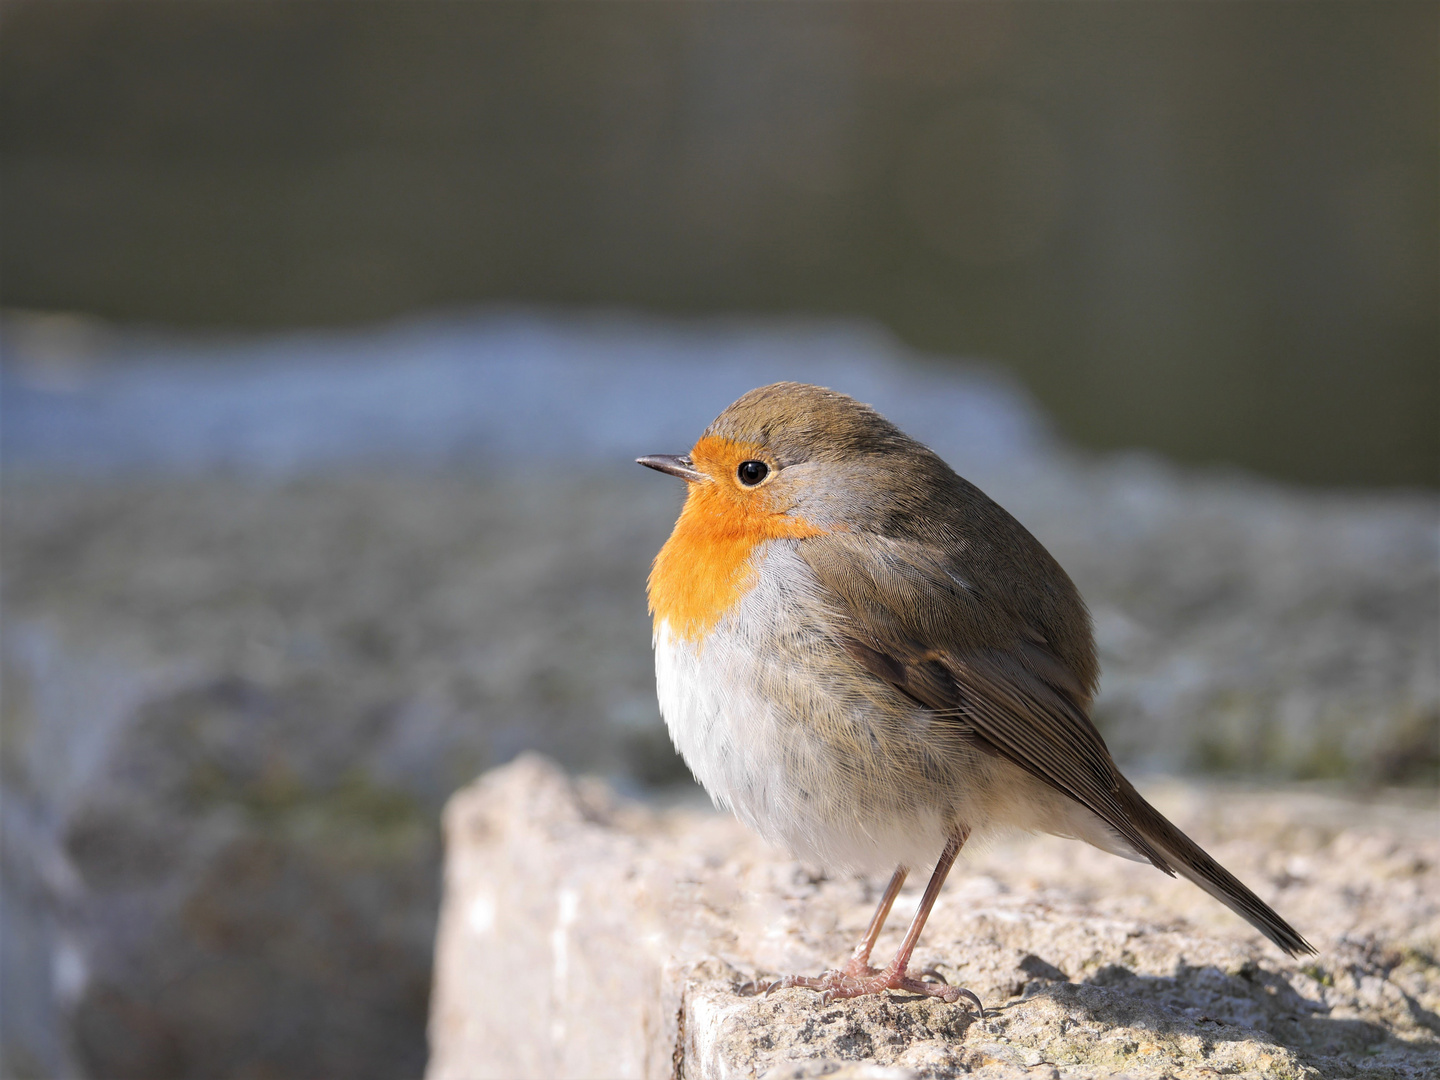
707	564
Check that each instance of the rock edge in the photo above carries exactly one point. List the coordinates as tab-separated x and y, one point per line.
585	937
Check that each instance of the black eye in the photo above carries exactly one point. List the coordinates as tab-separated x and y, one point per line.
752	472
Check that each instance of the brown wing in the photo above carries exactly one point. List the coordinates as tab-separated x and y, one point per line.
911	614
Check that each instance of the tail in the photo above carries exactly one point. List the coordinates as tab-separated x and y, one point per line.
1188	859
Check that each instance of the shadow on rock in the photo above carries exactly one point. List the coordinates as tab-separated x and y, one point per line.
1253	998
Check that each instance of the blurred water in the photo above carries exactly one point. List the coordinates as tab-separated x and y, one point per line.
479	389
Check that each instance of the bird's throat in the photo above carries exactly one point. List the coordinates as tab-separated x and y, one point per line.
709	562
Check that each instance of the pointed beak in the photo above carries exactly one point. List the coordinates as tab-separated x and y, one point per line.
675	464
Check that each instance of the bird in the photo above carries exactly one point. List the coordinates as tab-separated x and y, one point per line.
870	663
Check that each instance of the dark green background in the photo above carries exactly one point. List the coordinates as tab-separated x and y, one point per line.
1209	229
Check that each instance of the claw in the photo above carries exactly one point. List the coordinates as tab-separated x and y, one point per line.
772	985
935	975
973	999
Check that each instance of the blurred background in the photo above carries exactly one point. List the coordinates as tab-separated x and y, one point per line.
329	332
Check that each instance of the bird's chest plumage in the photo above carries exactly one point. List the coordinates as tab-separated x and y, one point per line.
778	724
724	694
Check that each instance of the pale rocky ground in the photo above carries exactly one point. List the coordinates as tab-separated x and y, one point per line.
586	936
233	710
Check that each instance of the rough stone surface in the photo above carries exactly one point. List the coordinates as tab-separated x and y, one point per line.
584	936
231	717
233	710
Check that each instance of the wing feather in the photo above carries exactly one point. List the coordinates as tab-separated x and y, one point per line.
906	617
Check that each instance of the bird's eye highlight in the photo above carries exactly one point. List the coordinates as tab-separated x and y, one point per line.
752	472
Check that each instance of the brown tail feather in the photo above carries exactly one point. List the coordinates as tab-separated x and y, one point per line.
1188	859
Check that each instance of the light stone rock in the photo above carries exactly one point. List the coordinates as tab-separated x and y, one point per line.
584	936
231	716
233	710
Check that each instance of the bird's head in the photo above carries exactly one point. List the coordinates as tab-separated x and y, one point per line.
808	454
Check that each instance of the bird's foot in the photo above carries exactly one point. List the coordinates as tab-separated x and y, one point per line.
857	980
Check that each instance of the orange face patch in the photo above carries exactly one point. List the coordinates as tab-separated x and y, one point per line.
706	566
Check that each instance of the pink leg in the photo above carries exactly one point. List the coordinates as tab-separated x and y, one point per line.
858	978
859	963
860	959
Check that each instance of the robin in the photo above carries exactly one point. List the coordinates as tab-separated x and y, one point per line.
870	662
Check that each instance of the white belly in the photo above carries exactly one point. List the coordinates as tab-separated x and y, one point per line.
782	727
765	720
